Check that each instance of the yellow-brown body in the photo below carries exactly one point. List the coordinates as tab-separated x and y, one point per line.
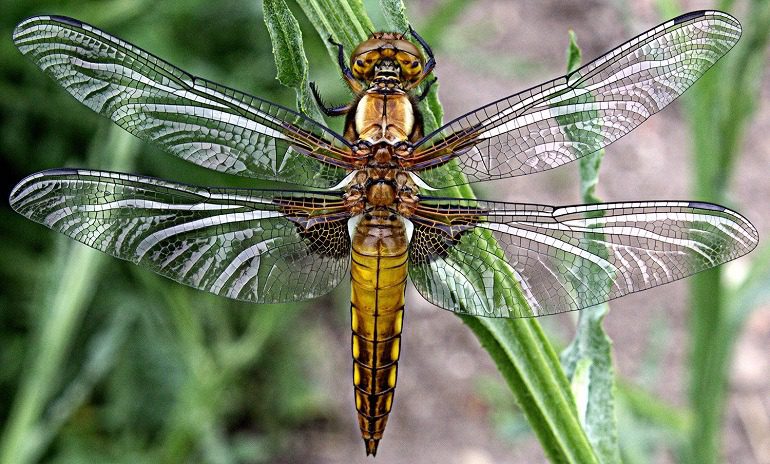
383	117
381	123
378	282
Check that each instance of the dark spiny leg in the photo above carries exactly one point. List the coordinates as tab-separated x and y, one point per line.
338	110
347	74
340	56
430	64
425	91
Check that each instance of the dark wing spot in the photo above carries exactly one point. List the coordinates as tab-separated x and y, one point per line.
429	244
327	239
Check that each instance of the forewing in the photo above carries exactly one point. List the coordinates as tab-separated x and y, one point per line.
564	259
575	115
251	245
198	120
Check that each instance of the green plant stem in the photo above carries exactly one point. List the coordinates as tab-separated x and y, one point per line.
70	299
587	360
523	354
78	276
709	371
531	368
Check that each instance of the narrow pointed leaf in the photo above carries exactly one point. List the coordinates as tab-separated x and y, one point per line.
345	22
289	53
587	360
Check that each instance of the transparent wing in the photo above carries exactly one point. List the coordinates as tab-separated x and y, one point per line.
578	114
563	259
262	246
200	121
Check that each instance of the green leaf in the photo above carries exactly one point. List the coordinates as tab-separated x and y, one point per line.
395	14
581	378
289	53
431	105
574	54
588	363
345	22
588	359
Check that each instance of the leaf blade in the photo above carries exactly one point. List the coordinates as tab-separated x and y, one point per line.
587	360
289	54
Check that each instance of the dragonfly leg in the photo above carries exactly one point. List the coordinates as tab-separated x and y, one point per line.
425	91
347	74
337	110
429	64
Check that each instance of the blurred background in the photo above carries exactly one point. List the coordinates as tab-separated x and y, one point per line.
103	362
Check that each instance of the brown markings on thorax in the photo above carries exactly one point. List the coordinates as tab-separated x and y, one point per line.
383	117
382	123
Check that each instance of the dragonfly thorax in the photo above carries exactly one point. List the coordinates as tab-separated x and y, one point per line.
384	117
381	193
382	188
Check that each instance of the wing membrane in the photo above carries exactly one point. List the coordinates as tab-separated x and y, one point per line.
578	114
195	119
251	245
567	258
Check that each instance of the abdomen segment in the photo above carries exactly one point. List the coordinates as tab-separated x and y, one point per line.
378	274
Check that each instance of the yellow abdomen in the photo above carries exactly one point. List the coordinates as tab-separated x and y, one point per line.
378	283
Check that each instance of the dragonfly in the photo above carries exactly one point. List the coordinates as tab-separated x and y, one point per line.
369	210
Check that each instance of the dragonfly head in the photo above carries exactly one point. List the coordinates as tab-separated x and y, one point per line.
387	56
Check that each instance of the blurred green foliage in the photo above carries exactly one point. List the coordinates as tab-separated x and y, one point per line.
719	109
103	362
